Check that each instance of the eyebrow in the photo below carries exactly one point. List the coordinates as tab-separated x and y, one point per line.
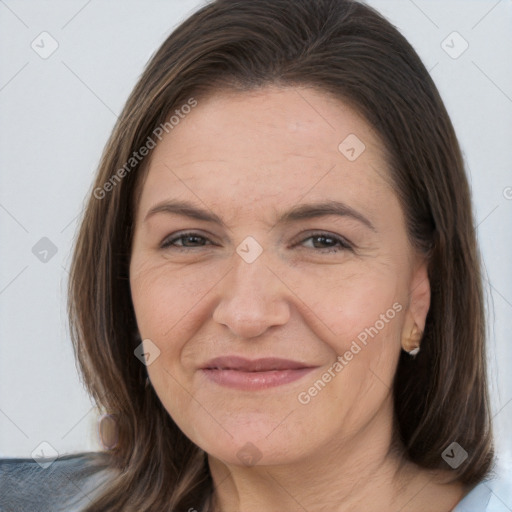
299	212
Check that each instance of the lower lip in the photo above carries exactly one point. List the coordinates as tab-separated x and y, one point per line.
252	381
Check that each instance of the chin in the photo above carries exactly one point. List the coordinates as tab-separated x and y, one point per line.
257	443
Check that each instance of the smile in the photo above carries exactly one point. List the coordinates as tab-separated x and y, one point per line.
243	374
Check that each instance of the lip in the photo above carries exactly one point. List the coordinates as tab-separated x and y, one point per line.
251	375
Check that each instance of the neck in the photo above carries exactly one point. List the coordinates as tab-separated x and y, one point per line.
361	472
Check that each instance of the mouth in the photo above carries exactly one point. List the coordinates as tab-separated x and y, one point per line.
244	374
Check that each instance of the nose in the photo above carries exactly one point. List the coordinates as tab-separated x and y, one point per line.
253	299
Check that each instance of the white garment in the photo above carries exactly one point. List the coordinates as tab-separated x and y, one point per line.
492	495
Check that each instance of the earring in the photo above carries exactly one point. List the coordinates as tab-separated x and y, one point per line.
414	340
413	352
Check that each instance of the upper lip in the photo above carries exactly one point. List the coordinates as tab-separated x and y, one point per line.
254	365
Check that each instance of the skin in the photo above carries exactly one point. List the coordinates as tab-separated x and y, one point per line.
249	157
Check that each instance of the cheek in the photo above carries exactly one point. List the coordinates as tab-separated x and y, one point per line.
370	309
167	298
365	326
341	301
169	303
358	315
365	316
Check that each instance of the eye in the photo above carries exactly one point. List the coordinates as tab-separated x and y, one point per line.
334	243
188	241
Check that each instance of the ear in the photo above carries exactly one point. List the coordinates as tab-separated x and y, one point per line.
417	309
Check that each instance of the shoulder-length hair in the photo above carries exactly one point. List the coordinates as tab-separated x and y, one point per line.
344	48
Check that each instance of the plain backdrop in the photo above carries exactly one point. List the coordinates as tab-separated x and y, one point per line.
56	113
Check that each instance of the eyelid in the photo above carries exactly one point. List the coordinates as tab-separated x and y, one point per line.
168	240
344	243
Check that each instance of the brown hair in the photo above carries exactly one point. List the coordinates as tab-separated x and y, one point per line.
349	50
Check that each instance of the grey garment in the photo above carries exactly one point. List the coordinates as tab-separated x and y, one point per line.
67	484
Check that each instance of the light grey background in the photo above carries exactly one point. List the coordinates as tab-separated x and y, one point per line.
57	112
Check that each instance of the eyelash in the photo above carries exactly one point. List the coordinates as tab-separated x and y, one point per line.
344	245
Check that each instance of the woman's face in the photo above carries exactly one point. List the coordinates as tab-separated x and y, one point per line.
267	228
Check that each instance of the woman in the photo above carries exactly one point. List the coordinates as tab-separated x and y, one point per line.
276	290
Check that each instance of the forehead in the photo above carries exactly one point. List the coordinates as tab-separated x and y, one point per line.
269	144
